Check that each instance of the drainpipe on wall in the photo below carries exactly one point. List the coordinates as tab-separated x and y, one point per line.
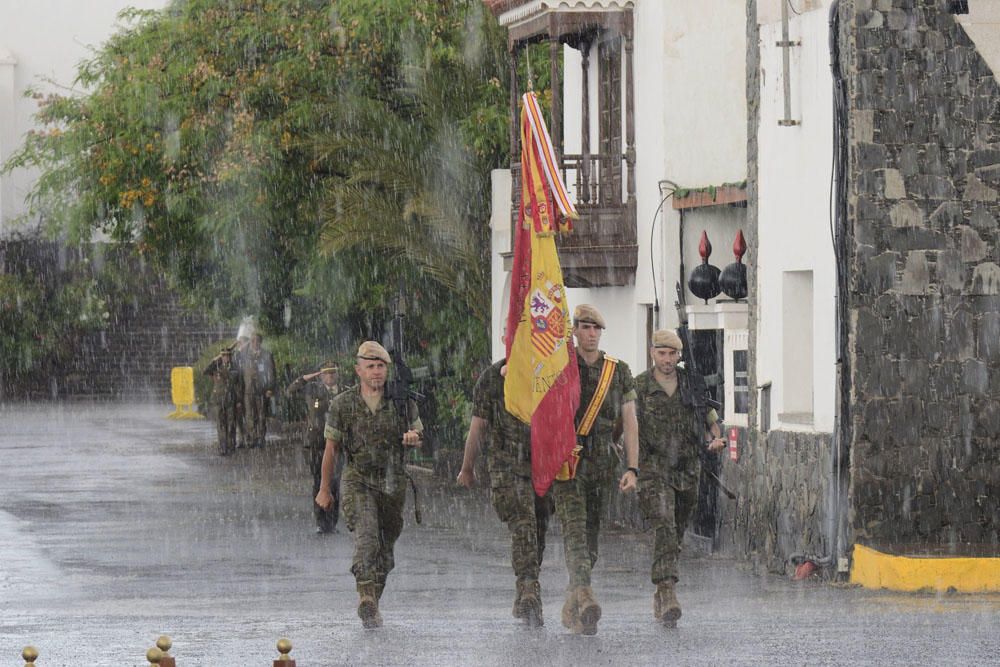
840	459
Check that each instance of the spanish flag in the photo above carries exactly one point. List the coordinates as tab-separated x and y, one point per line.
542	386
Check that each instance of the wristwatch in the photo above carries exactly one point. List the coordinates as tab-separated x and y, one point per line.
635	471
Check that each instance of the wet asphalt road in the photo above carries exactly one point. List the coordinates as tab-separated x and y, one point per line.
118	525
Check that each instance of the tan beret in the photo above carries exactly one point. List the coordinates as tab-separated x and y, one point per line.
667	338
373	351
587	313
328	367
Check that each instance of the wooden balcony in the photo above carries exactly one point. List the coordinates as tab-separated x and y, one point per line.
602	250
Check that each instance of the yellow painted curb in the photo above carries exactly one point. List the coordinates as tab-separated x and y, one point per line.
873	569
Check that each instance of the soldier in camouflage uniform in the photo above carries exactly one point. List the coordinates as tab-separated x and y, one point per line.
319	388
227	388
508	460
597	467
372	434
674	424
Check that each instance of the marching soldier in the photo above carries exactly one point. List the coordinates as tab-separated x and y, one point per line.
257	367
227	388
508	459
674	424
319	388
607	397
367	427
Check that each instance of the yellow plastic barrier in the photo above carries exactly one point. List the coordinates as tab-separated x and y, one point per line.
182	393
873	569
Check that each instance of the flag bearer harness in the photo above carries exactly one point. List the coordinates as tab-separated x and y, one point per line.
568	470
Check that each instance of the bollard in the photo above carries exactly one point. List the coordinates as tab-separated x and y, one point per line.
29	654
284	648
182	393
164	643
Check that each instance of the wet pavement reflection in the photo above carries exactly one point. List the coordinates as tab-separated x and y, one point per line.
118	525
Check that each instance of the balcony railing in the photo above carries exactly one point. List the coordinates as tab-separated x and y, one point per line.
602	250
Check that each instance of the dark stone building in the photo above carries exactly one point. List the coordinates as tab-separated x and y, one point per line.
924	301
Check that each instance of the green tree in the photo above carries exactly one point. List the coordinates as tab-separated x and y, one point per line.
197	140
294	159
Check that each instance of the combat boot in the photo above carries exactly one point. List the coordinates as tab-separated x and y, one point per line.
665	606
587	609
368	605
528	604
570	615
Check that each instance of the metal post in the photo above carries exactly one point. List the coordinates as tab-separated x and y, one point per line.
786	44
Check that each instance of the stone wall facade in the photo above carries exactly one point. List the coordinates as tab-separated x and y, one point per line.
924	344
785	504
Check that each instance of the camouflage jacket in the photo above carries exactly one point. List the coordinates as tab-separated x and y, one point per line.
227	384
671	429
372	442
622	390
317	396
509	448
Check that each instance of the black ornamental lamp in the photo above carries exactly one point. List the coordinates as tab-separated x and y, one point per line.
704	281
734	277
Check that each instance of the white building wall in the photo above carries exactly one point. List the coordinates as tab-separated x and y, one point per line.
500	232
46	39
705	120
794	214
690	127
982	24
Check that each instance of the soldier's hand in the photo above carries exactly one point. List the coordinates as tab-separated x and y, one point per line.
627	482
716	445
467	477
324	499
311	376
411	439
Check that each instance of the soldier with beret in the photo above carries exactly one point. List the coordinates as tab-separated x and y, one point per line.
318	389
508	460
674	425
227	390
607	397
368	429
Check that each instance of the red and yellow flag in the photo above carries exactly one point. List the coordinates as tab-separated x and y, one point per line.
542	386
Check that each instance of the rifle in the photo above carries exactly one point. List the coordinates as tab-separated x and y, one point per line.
697	384
398	388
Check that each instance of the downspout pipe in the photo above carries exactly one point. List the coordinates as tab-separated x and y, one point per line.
840	454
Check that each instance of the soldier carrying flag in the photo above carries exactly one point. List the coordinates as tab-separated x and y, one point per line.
542	384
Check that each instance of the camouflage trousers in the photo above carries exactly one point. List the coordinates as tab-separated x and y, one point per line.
596	479
571	508
225	427
668	511
315	444
527	518
375	516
